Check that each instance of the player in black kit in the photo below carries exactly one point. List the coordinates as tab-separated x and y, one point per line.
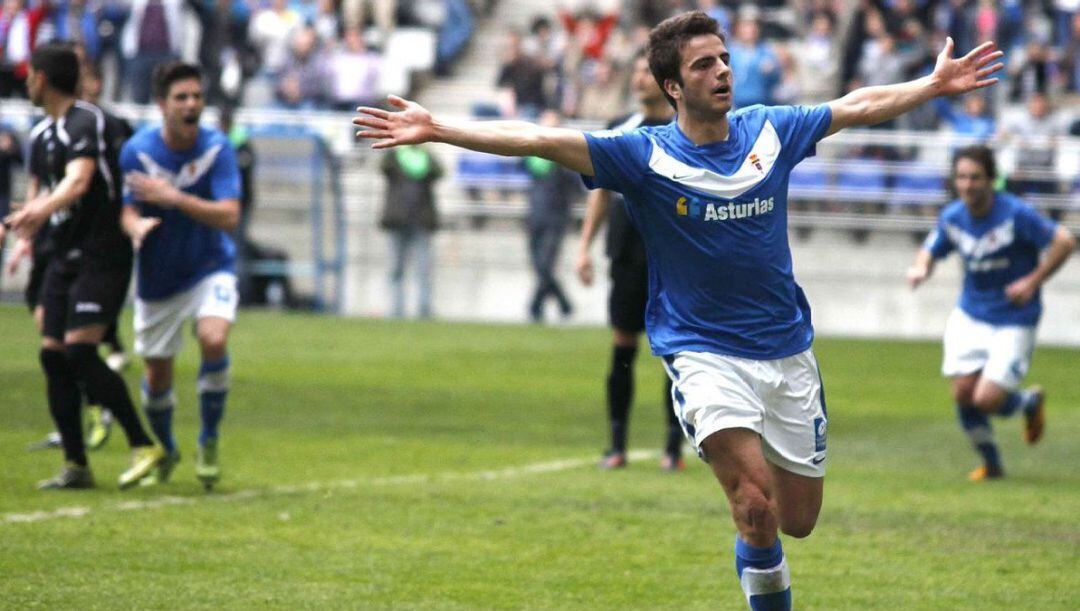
74	187
629	285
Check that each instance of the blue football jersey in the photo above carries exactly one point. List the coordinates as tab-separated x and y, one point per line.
997	249
714	222
181	251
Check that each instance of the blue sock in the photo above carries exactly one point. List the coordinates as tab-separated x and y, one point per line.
1018	400
158	408
213	388
764	575
980	432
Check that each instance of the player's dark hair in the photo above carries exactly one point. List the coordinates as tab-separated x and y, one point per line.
666	41
168	72
980	154
58	62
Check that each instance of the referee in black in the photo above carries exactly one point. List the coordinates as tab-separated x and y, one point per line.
74	187
629	284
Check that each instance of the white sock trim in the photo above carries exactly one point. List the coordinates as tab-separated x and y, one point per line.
765	581
217	381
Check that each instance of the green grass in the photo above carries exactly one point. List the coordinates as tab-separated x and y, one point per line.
360	406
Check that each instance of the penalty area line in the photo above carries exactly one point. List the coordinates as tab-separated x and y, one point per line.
539	468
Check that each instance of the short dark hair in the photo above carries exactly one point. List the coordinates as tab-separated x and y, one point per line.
980	154
666	41
168	72
58	62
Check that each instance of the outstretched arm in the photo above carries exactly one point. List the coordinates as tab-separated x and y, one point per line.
872	105
413	124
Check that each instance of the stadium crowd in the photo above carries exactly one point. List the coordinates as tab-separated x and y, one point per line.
576	60
286	53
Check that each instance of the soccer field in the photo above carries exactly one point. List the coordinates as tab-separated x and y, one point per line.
373	465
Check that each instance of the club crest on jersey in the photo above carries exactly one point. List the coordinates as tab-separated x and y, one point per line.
694	208
756	162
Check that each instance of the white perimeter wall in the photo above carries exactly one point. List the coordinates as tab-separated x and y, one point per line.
854	289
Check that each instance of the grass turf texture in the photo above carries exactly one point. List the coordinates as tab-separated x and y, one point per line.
324	400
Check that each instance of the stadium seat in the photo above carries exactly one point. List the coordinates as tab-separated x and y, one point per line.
862	180
916	184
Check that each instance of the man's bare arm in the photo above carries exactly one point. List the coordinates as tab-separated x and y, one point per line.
873	105
921	270
596	207
413	124
1022	290
220	214
78	174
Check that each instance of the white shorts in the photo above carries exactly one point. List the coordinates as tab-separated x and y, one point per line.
158	324
1002	353
782	400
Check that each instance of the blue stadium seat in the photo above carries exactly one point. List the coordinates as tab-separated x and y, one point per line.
862	180
484	171
809	179
918	184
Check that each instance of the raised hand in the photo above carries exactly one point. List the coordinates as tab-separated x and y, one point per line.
151	190
411	125
967	73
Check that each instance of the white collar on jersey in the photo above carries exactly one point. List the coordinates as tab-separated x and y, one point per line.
757	165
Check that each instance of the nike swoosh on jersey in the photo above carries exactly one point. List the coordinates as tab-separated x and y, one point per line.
766	151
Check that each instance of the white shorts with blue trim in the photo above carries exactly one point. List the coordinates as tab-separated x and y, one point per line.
782	400
1002	353
158	324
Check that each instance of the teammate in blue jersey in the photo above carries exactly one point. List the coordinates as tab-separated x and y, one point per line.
1009	250
708	194
182	197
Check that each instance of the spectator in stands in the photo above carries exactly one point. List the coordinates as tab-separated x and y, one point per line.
521	80
972	119
11	159
154	32
603	93
271	31
302	82
326	21
553	189
1070	58
1035	135
19	27
225	52
816	60
354	72
590	29
753	62
354	13
1031	69
410	216
77	21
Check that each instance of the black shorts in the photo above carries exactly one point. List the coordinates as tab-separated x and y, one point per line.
629	295
87	292
33	286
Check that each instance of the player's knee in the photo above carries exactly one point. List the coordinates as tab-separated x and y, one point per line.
963	393
799	528
755	510
83	358
213	344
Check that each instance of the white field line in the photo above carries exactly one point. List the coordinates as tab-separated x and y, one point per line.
345	484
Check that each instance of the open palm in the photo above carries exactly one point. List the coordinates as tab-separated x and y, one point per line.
411	125
967	73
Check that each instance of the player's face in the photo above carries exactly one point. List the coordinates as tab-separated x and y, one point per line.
35	86
643	83
707	79
183	105
972	183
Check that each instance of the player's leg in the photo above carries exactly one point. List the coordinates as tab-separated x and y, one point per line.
626	313
966	351
620	395
672	460
998	391
159	402
61	382
536	303
552	245
722	410
736	459
977	427
214	318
